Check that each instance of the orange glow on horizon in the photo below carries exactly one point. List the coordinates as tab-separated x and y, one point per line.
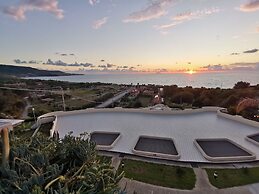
190	72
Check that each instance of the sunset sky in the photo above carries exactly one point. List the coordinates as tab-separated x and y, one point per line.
130	35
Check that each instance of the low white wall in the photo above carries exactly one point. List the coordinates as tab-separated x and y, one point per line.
143	110
238	119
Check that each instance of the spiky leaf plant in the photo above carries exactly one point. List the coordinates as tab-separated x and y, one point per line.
40	165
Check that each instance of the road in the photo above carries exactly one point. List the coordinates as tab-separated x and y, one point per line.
113	99
25	112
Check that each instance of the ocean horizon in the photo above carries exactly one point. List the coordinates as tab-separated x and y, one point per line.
209	80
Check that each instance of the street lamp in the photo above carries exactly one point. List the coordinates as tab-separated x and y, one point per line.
33	112
63	98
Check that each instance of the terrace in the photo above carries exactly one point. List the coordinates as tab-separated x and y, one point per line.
184	127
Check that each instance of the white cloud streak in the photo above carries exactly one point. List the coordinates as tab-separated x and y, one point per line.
250	6
97	24
154	10
19	12
195	15
93	2
184	17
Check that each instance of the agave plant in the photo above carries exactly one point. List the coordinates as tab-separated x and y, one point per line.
44	166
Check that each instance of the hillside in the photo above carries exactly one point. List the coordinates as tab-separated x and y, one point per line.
19	71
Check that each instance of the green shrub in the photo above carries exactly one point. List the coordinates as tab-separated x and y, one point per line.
40	165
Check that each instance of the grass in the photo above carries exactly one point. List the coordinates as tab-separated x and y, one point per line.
233	177
82	92
159	174
145	100
104	159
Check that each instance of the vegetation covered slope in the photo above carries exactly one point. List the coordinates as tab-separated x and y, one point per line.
19	71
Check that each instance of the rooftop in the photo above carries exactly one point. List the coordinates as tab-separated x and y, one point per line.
184	127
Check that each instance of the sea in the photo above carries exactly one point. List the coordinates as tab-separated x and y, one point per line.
209	80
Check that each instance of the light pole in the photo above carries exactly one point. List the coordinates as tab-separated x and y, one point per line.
33	112
63	98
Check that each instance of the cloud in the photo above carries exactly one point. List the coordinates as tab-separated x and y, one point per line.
235	54
102	66
19	12
166	26
233	67
195	15
244	66
155	9
251	51
33	62
110	65
107	66
250	6
19	61
123	67
218	67
184	17
99	23
64	54
93	2
61	63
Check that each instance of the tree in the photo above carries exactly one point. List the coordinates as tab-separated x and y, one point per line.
230	101
241	85
183	97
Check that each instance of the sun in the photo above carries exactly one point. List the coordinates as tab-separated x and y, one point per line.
190	72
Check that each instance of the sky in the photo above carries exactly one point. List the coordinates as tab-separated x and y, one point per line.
118	36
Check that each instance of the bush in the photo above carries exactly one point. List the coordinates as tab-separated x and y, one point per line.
183	97
137	104
241	85
232	110
42	165
230	101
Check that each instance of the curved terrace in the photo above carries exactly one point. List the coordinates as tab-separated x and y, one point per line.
183	127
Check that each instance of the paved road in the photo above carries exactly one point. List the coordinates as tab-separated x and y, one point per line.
113	99
25	112
202	180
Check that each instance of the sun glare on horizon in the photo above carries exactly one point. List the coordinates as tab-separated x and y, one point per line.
190	72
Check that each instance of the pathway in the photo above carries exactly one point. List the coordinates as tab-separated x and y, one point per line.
202	186
25	111
136	187
202	180
116	160
113	99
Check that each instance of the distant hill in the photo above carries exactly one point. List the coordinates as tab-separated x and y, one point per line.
19	71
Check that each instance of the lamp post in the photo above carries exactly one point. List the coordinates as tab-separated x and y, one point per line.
63	98
33	112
